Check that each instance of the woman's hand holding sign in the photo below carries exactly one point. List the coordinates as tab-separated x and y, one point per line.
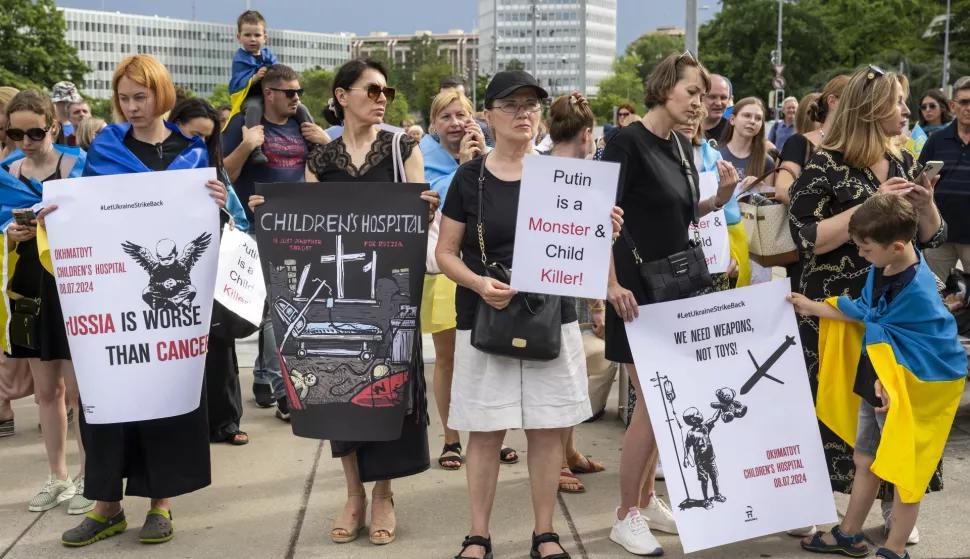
616	216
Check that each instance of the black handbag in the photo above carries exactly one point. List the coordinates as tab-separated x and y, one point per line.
25	322
228	325
681	274
529	328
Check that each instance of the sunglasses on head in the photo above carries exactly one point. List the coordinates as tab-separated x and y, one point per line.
688	56
874	73
929	106
374	91
35	134
289	92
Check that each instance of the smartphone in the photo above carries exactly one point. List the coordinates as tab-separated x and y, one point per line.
930	170
24	217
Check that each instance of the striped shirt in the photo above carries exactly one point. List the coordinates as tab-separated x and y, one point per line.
953	190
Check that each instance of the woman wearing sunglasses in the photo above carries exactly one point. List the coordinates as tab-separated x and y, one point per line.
934	111
363	152
161	458
856	159
32	124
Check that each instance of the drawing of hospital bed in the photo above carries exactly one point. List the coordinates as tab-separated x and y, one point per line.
333	339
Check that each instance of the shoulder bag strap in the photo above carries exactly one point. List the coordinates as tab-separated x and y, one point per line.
397	158
694	193
481	210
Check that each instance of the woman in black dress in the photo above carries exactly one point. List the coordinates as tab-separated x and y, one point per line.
161	458
363	153
857	158
653	190
27	114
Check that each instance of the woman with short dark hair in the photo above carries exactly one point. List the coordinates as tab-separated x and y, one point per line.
934	111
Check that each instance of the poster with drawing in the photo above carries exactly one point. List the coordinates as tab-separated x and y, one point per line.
725	381
135	263
344	267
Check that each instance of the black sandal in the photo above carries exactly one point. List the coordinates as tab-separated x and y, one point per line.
548	537
505	453
235	440
479	541
844	545
453	447
884	553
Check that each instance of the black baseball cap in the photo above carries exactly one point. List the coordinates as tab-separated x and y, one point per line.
508	82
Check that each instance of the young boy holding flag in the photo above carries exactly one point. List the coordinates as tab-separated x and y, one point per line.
891	375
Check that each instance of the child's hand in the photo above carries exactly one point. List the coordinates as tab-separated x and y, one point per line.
259	74
882	395
803	305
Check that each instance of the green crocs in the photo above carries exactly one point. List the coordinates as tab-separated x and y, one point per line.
158	527
94	528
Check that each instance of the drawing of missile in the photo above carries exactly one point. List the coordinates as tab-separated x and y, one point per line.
761	371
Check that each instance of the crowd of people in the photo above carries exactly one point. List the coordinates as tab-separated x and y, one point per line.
827	158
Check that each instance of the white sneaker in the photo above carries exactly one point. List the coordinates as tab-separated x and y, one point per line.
80	504
803	532
887	516
659	516
660	472
55	492
633	534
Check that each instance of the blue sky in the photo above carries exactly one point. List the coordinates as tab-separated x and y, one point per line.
394	16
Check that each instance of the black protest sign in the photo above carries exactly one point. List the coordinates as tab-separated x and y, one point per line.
344	266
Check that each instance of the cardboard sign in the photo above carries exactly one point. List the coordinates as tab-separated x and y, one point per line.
563	233
725	381
135	262
712	231
239	281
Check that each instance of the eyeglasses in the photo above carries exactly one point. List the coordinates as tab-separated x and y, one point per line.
374	92
929	106
35	134
511	108
874	72
688	56
623	114
290	93
964	103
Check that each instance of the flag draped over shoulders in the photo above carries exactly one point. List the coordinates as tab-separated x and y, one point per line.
913	346
244	67
737	237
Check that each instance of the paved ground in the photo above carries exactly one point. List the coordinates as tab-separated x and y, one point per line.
276	498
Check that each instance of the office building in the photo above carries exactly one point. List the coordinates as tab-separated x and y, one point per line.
460	47
198	55
575	40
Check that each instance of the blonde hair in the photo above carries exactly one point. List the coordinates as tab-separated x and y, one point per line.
447	97
857	132
567	119
6	94
756	163
87	130
32	101
415	128
148	72
699	135
803	121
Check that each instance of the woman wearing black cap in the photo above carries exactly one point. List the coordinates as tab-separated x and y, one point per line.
659	208
492	393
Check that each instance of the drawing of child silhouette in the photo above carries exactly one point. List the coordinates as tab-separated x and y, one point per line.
699	440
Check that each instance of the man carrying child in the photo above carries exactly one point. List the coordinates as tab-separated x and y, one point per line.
891	374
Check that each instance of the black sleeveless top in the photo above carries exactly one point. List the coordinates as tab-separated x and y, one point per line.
332	162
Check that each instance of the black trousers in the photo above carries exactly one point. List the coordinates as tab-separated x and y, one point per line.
222	389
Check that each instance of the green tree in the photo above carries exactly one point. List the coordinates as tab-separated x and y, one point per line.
398	110
426	82
423	52
623	85
515	64
317	85
32	34
220	95
652	48
481	86
102	108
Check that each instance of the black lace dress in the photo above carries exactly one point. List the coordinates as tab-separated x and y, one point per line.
827	187
408	455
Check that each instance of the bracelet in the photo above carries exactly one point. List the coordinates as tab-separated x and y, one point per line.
597	309
714	206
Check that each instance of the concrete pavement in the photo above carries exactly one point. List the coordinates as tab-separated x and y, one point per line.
277	497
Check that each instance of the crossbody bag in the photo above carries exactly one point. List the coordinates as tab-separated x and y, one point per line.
530	327
683	273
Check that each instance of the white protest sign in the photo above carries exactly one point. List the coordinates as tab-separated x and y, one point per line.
712	229
563	233
725	382
135	262
239	281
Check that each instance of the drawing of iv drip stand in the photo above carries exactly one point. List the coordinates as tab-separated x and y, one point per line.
330	339
668	395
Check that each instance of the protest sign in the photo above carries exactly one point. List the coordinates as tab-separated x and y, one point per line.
345	285
712	228
563	233
135	267
239	281
725	382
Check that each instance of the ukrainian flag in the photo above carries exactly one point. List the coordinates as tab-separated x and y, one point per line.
244	67
912	343
917	139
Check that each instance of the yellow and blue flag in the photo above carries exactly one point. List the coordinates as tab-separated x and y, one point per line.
913	346
917	139
244	67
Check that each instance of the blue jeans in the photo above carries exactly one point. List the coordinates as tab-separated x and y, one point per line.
266	369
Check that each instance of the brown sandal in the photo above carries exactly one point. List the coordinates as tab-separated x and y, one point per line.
351	533
569	483
375	528
577	466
